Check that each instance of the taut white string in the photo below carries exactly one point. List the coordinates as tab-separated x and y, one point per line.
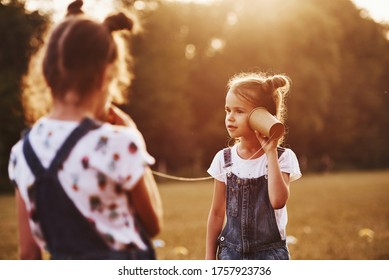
177	178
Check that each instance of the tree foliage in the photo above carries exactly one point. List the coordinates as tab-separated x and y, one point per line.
337	59
21	35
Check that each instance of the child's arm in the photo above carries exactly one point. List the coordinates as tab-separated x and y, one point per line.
147	203
145	196
215	219
28	249
278	182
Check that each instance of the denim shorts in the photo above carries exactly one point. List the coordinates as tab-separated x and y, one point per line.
279	253
135	254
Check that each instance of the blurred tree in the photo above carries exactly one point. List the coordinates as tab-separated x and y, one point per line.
21	34
158	102
359	114
333	55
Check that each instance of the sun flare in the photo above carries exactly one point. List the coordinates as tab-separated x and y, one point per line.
97	9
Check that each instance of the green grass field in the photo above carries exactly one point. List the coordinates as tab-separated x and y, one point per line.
331	217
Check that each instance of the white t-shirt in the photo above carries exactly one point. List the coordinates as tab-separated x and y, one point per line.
255	168
104	165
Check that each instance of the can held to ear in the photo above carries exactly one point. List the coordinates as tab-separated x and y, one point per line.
265	123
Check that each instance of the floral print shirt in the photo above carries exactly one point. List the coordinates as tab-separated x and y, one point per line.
99	172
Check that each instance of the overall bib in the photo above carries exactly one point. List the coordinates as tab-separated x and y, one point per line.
67	233
251	230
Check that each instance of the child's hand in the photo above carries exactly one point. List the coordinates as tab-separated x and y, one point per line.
118	117
268	144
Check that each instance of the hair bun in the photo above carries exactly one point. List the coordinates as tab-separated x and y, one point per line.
277	81
74	8
119	22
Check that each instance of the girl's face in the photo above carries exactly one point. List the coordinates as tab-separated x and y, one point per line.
237	113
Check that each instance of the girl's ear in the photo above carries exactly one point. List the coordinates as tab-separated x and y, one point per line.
108	75
101	79
103	83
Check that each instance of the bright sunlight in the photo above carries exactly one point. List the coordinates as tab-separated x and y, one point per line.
96	8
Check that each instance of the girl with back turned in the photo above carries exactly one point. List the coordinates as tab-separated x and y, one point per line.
83	188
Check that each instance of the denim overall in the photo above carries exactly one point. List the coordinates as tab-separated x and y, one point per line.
68	234
251	230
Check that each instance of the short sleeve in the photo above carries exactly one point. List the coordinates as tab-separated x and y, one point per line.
121	155
12	165
289	164
16	165
216	169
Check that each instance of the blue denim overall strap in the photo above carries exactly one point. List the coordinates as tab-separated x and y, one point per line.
67	233
251	223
